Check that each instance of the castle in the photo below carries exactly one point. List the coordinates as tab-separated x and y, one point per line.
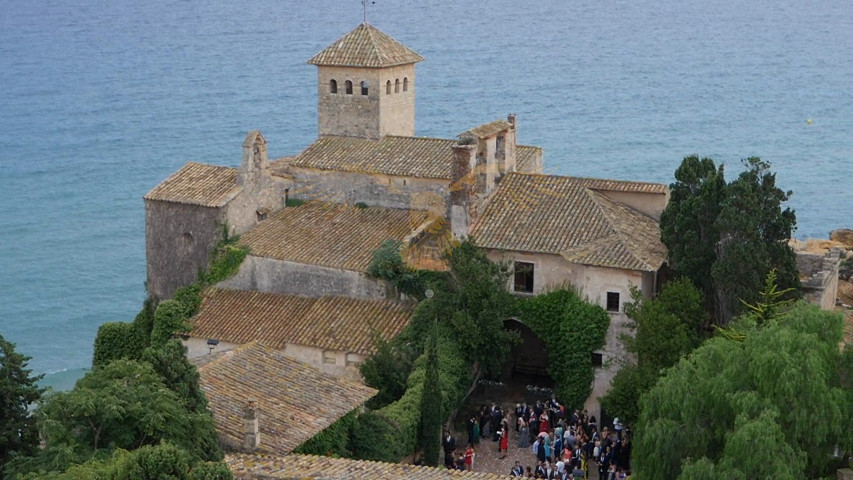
313	220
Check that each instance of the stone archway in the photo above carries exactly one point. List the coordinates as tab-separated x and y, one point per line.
528	362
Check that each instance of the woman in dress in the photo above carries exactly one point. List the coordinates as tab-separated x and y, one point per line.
504	442
524	434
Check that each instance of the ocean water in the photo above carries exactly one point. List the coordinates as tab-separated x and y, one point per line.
101	100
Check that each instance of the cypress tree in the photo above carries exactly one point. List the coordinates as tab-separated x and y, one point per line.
431	415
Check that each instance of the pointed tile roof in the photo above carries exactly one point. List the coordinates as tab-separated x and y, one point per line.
573	218
367	47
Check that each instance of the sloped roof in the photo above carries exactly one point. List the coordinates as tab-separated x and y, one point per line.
489	129
198	184
329	234
275	319
295	401
366	46
390	155
261	467
524	158
565	216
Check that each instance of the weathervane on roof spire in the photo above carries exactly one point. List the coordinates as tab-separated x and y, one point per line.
364	4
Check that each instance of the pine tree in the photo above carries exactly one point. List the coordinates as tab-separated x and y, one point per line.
18	390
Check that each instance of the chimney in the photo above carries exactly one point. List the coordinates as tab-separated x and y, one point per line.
461	186
251	434
254	162
509	163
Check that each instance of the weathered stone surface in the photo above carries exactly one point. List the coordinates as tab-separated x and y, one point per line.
843	235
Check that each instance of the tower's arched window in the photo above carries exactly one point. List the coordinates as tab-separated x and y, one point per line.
333	86
405	84
364	86
349	87
388	87
397	86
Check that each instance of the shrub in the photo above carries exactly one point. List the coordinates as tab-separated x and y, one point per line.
117	340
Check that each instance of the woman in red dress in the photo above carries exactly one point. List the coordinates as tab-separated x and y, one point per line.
504	442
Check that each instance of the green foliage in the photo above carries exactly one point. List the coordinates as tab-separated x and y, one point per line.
390	433
124	404
471	303
431	413
361	205
160	462
117	340
781	385
332	441
18	390
388	265
571	329
293	202
169	319
210	471
144	320
666	328
387	371
726	237
225	262
179	375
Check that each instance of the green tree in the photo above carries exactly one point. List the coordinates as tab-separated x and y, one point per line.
687	224
387	370
18	390
124	404
431	414
471	303
179	375
779	389
726	237
666	327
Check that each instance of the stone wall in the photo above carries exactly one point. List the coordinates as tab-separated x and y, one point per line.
178	240
366	116
373	189
819	277
278	276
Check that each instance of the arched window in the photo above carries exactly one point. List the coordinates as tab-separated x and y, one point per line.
405	84
364	86
397	86
333	86
349	87
388	87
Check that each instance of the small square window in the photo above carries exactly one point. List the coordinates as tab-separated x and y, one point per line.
597	359
612	301
523	277
330	357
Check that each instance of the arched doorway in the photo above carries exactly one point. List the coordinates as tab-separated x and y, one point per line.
528	362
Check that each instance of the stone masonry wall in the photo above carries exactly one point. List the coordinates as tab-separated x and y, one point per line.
278	276
819	277
178	242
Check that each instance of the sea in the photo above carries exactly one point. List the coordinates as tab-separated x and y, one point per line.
101	100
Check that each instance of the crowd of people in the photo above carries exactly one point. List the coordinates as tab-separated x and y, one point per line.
565	445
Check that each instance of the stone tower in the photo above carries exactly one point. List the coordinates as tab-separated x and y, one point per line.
366	85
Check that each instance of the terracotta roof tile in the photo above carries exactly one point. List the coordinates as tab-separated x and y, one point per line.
366	46
525	159
275	319
330	235
390	155
566	216
260	467
198	184
295	401
488	130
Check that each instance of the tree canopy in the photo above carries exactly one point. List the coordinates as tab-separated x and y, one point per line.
18	390
770	406
726	237
666	327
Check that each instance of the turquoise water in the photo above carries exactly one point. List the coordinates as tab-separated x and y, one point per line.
99	101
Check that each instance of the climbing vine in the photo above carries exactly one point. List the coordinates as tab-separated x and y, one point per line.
571	329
